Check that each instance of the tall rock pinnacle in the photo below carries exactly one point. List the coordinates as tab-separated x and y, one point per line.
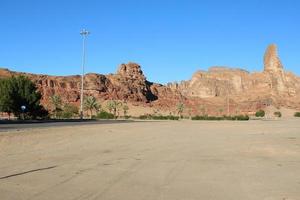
272	61
274	68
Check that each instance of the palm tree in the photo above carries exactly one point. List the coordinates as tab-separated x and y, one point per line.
113	107
56	104
180	109
91	104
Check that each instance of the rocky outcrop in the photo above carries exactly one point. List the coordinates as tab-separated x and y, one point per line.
274	70
272	86
272	61
220	88
128	84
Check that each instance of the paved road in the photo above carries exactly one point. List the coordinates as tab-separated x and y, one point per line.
4	127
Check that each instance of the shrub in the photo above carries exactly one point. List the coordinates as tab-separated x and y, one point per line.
104	115
260	113
127	117
158	117
277	114
297	114
214	118
65	115
69	111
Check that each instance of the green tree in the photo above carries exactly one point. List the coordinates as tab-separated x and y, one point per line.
56	103
91	104
113	107
19	95
5	96
180	109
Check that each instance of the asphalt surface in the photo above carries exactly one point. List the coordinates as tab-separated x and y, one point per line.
13	126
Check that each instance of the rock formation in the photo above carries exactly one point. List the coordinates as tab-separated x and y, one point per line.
208	92
274	68
272	86
272	61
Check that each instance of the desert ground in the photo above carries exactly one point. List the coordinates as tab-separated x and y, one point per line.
184	160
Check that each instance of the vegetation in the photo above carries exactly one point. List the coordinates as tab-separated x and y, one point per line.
297	114
19	95
260	113
125	110
69	111
214	118
113	107
104	115
158	117
180	109
91	104
56	103
277	114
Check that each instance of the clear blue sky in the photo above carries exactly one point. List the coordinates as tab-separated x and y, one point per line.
170	39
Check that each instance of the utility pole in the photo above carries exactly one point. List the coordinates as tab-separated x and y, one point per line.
84	33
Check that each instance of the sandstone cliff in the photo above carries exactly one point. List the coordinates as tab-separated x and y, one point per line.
273	86
220	90
128	84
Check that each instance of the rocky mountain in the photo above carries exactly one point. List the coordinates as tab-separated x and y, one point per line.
273	86
128	84
216	91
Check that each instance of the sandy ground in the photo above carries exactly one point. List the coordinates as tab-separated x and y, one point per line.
184	160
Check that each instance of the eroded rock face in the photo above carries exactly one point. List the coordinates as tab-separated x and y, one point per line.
128	84
208	92
272	86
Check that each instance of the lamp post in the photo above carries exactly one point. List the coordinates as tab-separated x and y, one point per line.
84	34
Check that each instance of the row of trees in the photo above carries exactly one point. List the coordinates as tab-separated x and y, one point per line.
90	104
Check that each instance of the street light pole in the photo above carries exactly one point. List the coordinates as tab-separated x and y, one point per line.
84	33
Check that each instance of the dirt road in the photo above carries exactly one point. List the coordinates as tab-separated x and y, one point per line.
185	160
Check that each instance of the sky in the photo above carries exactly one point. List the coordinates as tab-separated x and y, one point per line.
170	39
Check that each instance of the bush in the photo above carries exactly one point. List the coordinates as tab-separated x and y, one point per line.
277	114
214	118
297	114
158	117
104	115
69	111
260	113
